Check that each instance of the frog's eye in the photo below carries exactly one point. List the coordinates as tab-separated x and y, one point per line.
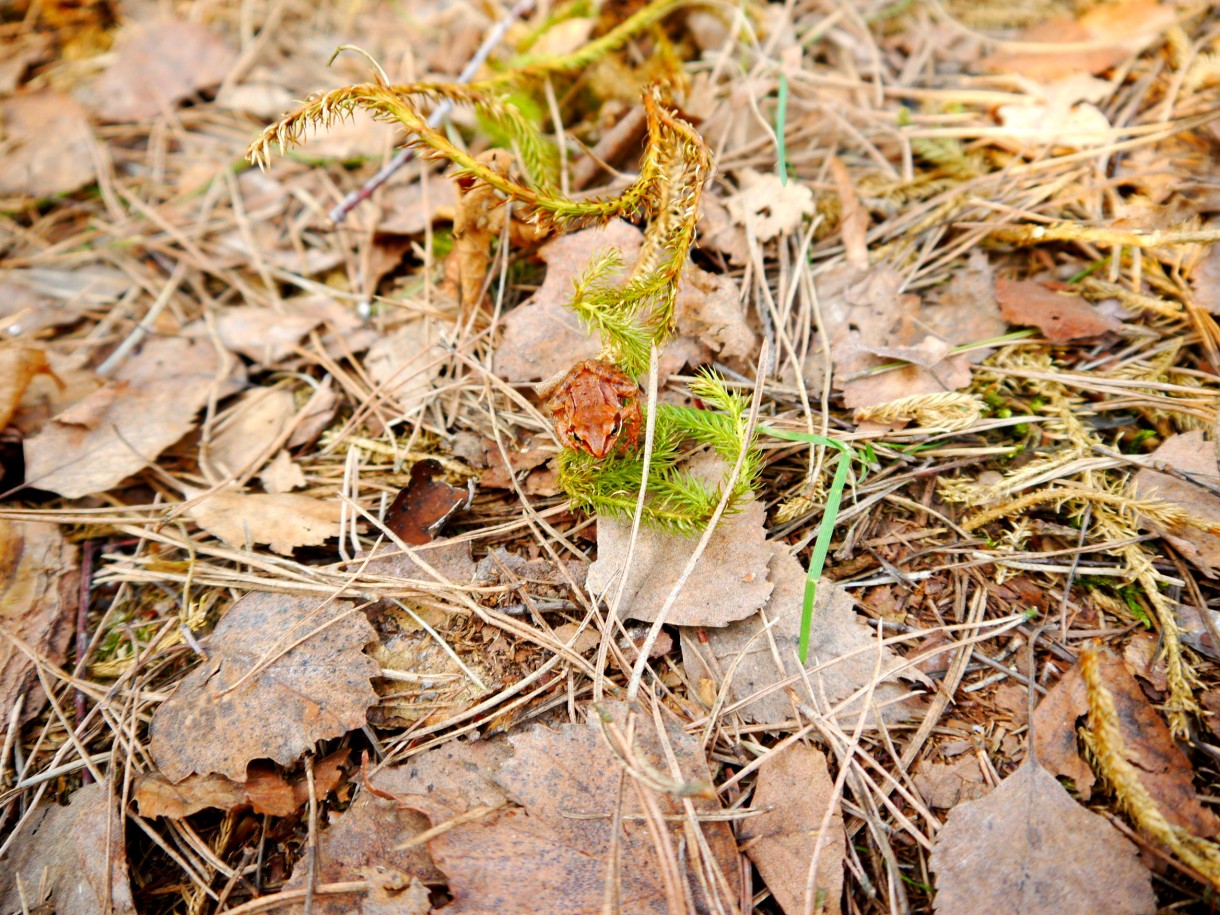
618	424
575	436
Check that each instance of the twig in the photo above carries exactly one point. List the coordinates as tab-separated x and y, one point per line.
339	212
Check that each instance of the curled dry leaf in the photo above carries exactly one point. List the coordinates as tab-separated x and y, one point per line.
553	855
284	521
18	366
158	65
1192	456
767	206
265	790
422	507
1028	847
148	405
48	148
39	581
844	657
1060	316
371	834
280	673
728	583
70	859
796	788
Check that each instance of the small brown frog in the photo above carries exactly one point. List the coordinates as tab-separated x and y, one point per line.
595	406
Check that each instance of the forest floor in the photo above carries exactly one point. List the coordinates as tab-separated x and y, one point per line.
312	601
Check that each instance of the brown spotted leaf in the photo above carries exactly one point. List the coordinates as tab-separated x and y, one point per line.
797	788
1028	847
70	859
422	507
281	673
39	581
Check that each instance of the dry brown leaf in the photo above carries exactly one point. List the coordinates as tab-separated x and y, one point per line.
1060	316
718	232
263	335
265	790
148	405
782	843
281	673
729	582
70	859
1028	847
553	855
965	309
853	218
282	474
158	65
405	362
284	521
767	206
1063	116
871	323
408	209
48	148
424	505
1164	769
18	366
1191	454
843	654
542	337
65	381
245	431
946	785
39	581
1205	281
450	559
1055	737
1104	36
35	298
366	837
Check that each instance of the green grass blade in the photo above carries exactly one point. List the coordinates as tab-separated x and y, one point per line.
781	115
821	546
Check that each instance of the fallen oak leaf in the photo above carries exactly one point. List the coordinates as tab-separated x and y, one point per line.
1028	847
281	673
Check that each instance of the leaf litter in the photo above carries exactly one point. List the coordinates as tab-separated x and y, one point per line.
217	397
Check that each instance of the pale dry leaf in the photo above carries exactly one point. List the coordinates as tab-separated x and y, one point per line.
284	521
1191	454
71	859
280	674
245	431
368	835
1028	847
543	337
1060	316
18	366
796	788
262	335
405	362
275	244
853	218
39	583
844	657
1060	127
66	381
118	430
553	854
718	232
156	66
965	310
728	583
48	147
768	206
282	474
1205	280
945	785
34	298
